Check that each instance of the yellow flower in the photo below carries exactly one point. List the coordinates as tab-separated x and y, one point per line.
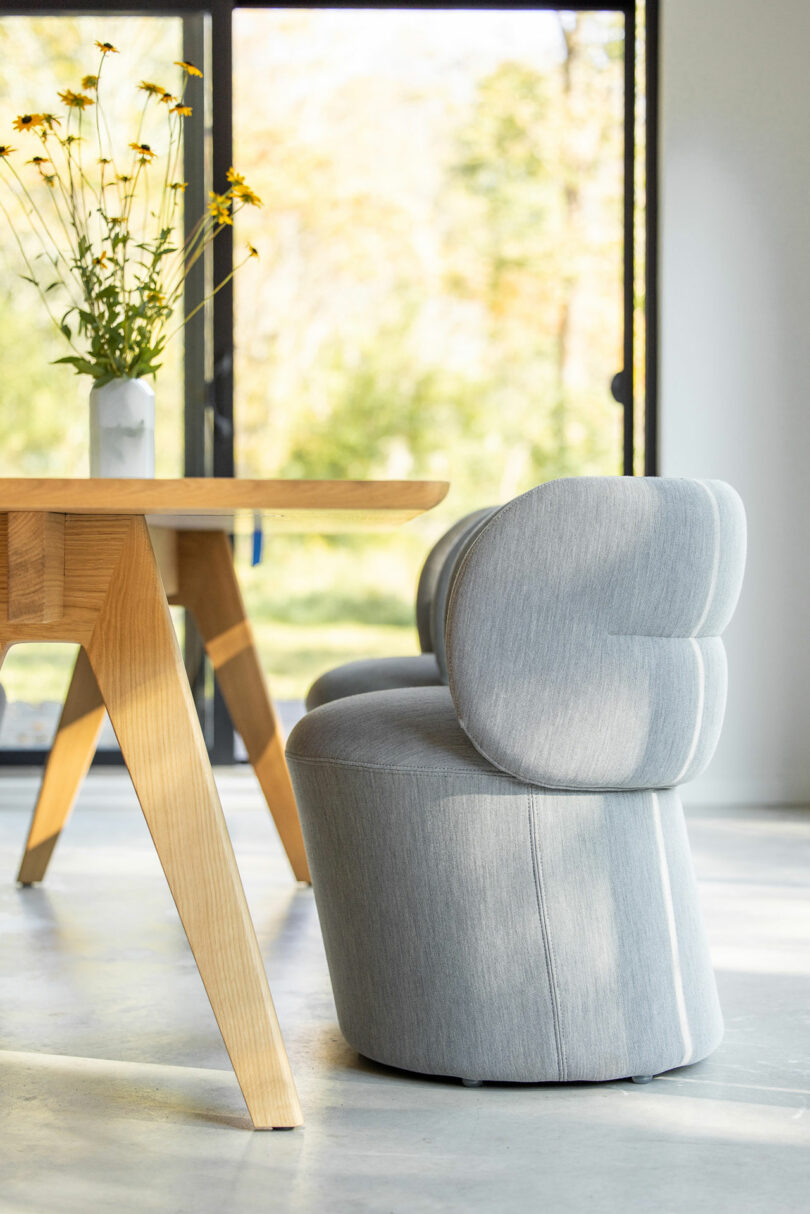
73	139
101	260
107	48
219	207
5	151
179	186
104	160
183	110
188	68
38	160
168	98
28	122
90	82
156	297
247	195
51	121
74	101
49	179
144	151
234	177
252	252
156	90
124	177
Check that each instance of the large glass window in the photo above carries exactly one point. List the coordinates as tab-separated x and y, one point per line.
451	245
44	413
441	286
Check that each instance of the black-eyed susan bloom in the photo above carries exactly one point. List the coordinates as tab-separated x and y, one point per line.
28	122
234	177
89	82
144	151
252	250
183	110
154	90
107	48
74	101
220	208
188	68
247	195
6	151
179	187
51	121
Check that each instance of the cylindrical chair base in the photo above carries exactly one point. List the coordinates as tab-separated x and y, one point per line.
476	926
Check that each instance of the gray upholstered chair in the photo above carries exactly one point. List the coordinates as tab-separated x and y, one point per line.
425	669
501	867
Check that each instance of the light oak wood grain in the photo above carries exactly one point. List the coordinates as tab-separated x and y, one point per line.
138	667
208	586
115	606
71	754
200	566
36	544
352	504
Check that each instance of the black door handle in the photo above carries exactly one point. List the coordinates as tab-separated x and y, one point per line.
617	388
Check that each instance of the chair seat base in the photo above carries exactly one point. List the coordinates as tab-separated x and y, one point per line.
479	926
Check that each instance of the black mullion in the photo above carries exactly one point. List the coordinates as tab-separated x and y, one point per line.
222	131
222	748
651	241
620	6
628	376
135	8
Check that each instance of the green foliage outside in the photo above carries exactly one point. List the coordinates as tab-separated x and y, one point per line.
439	293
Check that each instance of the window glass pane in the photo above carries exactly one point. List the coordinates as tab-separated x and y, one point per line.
44	414
440	285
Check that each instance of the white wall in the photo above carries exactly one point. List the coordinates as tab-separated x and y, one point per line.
735	349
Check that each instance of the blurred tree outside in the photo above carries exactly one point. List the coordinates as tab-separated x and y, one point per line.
439	293
442	282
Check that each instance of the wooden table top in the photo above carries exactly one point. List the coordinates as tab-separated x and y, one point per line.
221	503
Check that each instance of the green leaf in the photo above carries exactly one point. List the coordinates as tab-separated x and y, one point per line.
80	365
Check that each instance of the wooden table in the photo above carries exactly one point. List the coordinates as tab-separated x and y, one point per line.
97	562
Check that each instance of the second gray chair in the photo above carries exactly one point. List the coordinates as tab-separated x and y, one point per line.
501	866
425	669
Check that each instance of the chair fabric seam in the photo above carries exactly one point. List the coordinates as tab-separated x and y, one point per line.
496	774
542	913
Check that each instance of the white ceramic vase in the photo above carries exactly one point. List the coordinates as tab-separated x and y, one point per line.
122	429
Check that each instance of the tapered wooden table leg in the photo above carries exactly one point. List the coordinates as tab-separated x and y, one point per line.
71	755
136	661
207	585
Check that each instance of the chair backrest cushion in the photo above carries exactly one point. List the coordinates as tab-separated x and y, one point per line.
430	575
583	630
452	562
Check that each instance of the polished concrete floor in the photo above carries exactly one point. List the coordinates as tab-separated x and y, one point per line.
116	1093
